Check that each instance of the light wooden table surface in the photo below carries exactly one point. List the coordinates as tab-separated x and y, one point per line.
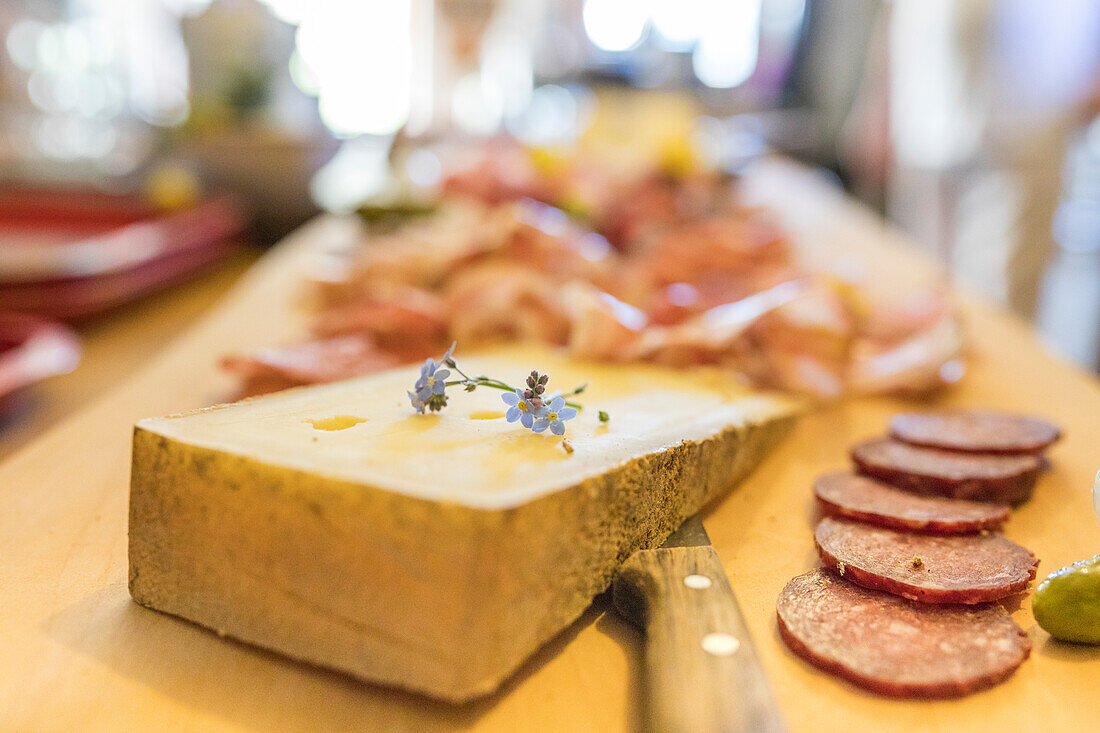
117	344
77	654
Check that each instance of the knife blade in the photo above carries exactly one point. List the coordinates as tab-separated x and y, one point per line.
703	672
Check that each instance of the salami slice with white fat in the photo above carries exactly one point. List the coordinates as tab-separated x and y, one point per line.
1002	479
926	568
893	647
975	431
845	494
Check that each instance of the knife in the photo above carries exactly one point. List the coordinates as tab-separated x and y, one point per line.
702	670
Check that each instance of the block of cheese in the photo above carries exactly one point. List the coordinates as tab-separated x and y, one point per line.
431	552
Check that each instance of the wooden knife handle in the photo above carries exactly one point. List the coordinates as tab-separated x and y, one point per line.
703	672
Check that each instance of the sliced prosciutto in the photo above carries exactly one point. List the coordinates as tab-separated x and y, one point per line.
312	362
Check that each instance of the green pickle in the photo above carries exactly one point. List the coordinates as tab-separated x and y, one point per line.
1067	603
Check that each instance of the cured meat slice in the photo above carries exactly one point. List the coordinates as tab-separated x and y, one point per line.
845	494
926	568
1000	479
312	362
924	362
893	647
976	431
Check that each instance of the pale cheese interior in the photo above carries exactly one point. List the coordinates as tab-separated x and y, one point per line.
364	430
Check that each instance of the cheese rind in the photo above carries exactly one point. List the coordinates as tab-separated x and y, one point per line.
443	590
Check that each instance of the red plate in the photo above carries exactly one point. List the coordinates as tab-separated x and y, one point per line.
72	255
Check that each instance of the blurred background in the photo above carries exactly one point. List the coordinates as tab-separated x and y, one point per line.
143	141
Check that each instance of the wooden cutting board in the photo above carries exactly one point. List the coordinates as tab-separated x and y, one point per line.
77	654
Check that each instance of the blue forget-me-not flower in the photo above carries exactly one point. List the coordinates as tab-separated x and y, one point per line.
430	388
521	408
554	416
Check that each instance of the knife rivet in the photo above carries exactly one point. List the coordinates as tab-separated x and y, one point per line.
698	582
720	644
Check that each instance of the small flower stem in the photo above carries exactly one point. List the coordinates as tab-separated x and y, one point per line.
495	383
454	365
483	381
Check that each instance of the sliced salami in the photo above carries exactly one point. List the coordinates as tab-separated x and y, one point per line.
896	648
975	431
845	494
1002	479
926	568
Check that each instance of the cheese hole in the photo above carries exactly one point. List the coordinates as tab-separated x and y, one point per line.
486	415
336	422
